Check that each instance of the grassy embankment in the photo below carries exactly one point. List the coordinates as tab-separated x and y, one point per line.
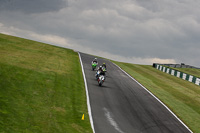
182	97
41	88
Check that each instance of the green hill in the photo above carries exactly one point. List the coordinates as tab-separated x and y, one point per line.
41	88
181	96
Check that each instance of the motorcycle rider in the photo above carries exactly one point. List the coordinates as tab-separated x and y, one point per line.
101	75
95	61
94	64
101	71
104	66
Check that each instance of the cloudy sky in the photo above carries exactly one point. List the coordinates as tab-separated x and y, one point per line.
136	31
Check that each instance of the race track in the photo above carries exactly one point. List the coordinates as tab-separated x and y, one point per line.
122	106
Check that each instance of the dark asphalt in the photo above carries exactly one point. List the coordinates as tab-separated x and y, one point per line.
123	106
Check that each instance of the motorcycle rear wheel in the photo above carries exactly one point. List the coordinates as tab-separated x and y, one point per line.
100	84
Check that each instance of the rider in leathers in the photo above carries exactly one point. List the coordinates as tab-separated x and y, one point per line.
95	61
102	72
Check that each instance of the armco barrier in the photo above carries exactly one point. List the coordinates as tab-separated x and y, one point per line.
178	74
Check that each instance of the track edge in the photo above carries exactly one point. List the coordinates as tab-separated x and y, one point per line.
155	98
87	94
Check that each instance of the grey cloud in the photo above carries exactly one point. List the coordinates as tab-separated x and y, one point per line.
32	6
167	29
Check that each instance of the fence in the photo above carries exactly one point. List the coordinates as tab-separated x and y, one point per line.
182	65
178	74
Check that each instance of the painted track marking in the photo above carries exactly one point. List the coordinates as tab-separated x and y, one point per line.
87	94
111	120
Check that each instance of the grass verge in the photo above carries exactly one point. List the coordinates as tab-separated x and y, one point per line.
181	96
41	88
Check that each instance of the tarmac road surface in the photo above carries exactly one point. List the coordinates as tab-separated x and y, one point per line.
122	106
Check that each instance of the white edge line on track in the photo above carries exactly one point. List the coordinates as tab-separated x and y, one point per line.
154	97
87	94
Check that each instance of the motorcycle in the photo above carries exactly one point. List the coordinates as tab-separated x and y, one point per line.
94	65
101	79
97	75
